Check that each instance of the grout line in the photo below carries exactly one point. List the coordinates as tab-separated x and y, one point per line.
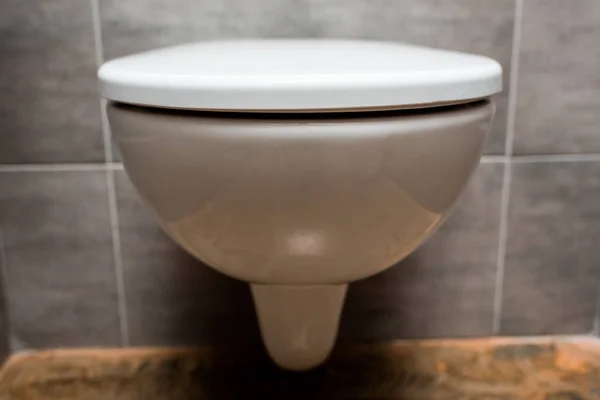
117	256
507	175
596	328
493	159
60	167
555	158
118	166
501	251
52	167
514	79
106	135
109	168
96	25
4	292
115	166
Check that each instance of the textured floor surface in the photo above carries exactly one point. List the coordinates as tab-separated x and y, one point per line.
500	369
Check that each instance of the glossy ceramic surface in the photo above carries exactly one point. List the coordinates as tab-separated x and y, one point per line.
297	74
300	201
300	207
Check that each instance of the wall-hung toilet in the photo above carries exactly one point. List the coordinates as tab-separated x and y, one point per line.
300	165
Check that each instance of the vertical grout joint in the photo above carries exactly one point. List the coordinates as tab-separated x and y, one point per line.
507	175
111	189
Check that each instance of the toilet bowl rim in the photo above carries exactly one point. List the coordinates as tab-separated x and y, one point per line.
367	113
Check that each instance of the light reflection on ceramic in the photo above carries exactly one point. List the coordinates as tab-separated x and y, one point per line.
307	203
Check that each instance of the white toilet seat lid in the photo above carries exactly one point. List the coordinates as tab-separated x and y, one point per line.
298	75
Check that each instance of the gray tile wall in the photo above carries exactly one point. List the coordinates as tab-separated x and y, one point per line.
84	264
50	112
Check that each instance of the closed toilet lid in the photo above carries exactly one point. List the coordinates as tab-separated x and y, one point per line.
298	75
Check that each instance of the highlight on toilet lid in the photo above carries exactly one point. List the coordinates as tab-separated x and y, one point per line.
298	75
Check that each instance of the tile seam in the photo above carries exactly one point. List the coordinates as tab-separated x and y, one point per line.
507	173
111	190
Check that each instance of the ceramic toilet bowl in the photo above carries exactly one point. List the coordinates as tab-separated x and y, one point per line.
300	165
298	207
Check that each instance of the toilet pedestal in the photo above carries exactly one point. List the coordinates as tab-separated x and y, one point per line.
299	323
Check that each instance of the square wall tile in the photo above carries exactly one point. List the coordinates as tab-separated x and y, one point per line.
60	274
172	298
559	82
552	268
49	105
130	26
446	288
475	26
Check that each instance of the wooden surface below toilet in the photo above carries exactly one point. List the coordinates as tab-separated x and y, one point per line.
500	369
